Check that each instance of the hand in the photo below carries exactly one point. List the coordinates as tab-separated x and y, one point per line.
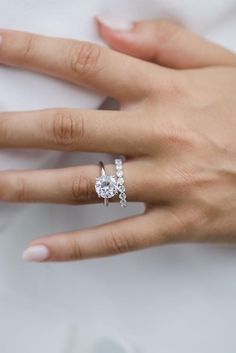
176	126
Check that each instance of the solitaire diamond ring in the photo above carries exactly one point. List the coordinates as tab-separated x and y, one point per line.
107	186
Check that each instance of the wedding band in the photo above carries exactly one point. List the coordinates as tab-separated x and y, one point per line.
106	185
120	181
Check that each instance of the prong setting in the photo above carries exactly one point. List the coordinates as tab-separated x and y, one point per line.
106	186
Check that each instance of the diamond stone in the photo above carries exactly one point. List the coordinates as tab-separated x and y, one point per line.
123	203
120	181
121	188
119	173
122	196
106	186
118	161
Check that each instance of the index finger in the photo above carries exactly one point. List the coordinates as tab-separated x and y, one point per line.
87	64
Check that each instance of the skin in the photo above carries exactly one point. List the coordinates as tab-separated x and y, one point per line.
176	127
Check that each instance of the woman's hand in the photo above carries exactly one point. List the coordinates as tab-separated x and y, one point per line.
177	126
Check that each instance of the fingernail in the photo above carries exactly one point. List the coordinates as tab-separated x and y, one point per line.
115	24
0	39
36	253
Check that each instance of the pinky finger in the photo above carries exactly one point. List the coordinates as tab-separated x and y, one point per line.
121	236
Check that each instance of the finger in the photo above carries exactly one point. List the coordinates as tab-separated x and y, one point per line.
138	232
145	180
165	43
86	64
74	130
74	185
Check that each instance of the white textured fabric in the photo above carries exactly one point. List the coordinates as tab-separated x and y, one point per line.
171	299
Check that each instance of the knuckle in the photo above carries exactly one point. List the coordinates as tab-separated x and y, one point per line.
176	88
185	180
19	191
186	222
177	136
82	188
66	129
13	188
84	58
3	127
172	135
4	188
117	243
75	251
28	45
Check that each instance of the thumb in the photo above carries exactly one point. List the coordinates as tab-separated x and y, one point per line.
163	42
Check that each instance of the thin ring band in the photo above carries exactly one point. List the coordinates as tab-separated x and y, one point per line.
103	173
102	167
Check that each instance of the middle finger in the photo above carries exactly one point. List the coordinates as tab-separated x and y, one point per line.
73	130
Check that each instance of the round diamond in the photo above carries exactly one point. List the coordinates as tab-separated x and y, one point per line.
122	196
123	203
120	181
106	186
118	161
119	167
121	188
119	173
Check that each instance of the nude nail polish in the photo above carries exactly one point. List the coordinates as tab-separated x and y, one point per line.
36	253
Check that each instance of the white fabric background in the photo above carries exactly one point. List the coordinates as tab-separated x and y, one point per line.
169	299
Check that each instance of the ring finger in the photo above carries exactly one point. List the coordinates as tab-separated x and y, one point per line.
74	185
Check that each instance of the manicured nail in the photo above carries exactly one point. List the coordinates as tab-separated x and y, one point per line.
115	24
36	253
0	39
